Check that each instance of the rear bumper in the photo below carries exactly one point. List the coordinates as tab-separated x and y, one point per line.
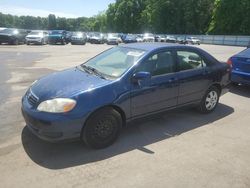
240	77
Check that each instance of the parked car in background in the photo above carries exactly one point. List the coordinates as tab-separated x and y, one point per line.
78	38
37	37
148	37
240	64
193	40
113	39
97	38
160	38
139	38
58	36
94	100
130	38
13	36
181	40
170	39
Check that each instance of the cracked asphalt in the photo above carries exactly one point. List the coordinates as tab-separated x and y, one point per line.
180	148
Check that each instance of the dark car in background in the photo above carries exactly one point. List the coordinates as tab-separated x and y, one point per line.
97	38
94	100
37	37
58	36
130	38
240	64
13	36
78	38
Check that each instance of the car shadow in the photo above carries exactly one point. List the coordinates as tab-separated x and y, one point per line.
137	135
242	90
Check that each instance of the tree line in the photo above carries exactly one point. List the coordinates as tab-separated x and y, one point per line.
156	16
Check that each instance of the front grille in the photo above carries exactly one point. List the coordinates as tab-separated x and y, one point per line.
32	99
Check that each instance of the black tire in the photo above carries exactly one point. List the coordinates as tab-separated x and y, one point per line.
235	84
16	42
210	100
63	42
27	43
102	128
42	42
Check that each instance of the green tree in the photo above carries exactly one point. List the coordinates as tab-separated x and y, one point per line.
52	22
231	17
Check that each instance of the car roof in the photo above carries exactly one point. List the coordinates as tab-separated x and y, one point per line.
244	53
151	46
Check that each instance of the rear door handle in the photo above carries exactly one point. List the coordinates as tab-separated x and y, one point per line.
172	80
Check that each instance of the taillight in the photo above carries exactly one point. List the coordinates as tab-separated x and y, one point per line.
229	62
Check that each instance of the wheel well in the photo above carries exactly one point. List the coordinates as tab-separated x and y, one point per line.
218	86
117	108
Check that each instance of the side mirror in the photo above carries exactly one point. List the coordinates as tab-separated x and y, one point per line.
139	76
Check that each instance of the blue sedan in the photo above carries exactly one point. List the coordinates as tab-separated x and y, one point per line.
240	67
93	101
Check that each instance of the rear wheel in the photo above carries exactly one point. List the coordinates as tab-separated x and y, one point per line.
210	100
16	42
102	128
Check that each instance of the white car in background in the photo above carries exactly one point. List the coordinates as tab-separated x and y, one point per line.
148	37
37	37
193	40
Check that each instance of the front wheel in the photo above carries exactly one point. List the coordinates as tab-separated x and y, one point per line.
210	100
102	128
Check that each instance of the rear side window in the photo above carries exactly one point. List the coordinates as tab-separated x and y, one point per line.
189	60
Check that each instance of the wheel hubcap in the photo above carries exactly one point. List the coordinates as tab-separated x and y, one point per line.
103	129
211	100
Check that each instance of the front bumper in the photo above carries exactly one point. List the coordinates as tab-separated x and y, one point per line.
51	127
240	77
34	40
55	40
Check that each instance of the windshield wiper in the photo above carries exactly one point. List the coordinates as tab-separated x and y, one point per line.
93	70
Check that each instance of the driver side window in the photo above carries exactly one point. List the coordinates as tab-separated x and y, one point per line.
158	64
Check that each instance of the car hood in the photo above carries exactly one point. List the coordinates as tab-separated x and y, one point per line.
35	36
66	84
54	36
6	34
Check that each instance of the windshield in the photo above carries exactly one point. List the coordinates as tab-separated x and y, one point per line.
36	33
77	34
130	37
148	35
113	35
9	31
56	32
114	62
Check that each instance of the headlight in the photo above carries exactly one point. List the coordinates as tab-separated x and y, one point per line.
59	105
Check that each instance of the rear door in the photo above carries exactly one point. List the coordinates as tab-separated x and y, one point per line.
193	75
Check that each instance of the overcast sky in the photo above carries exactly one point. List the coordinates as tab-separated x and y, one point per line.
61	8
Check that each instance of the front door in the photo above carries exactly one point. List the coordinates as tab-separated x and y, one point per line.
161	90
